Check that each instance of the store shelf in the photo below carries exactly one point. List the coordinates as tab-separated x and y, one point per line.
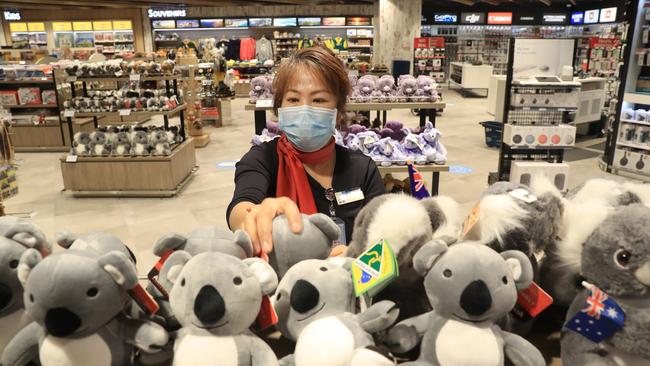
138	114
543	109
28	106
34	81
127	78
540	147
635	122
637	98
633	146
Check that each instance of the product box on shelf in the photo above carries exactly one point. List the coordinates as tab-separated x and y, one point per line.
8	97
631	161
539	136
48	96
29	96
522	172
556	100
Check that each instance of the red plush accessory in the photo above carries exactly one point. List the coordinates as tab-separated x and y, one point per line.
267	316
292	179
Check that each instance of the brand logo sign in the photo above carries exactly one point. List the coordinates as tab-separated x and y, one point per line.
608	15
527	18
499	18
591	16
445	18
12	15
554	18
577	17
472	18
167	13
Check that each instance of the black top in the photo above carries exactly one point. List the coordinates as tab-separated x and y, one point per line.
257	172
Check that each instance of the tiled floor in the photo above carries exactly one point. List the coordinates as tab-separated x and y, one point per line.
139	222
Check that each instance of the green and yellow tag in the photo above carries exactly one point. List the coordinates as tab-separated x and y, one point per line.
374	269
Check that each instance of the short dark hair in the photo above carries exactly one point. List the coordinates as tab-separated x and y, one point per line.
324	64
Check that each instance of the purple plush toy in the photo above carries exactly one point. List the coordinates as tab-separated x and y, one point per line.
364	90
352	142
413	147
396	127
386	89
433	149
273	127
260	89
355	129
426	89
407	87
367	142
388	152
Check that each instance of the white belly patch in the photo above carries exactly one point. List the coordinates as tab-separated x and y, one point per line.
159	148
139	149
10	325
121	149
206	351
99	149
81	149
91	350
459	343
325	342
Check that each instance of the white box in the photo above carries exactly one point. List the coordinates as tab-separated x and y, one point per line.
539	136
632	161
522	172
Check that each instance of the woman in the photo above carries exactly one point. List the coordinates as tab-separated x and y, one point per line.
304	171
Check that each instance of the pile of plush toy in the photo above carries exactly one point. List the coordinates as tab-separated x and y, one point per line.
134	99
392	145
370	88
126	141
117	68
261	88
465	294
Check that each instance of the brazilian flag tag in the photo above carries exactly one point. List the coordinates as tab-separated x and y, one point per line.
374	269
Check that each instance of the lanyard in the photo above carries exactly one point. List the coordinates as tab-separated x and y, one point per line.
330	195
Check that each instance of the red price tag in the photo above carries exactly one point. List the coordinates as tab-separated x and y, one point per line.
534	300
267	316
144	300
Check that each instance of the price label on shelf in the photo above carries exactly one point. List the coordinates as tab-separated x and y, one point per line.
134	77
207	82
264	103
125	112
119	74
71	159
72	79
69	113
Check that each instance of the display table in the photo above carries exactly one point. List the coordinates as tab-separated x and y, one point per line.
146	176
434	169
470	77
51	136
427	109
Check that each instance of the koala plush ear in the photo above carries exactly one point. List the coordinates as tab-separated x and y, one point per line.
427	255
326	225
30	236
65	239
520	267
30	258
244	241
169	242
264	273
343	262
120	268
174	264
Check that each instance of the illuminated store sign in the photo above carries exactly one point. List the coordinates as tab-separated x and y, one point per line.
167	13
472	18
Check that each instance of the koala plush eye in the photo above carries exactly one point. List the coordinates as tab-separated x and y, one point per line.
237	281
13	264
183	282
504	279
324	269
31	297
92	292
623	257
446	273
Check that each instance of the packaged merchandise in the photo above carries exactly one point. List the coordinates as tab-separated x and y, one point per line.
8	97
48	96
29	96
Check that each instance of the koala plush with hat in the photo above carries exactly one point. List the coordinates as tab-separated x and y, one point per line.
317	308
616	259
470	287
16	237
216	298
78	299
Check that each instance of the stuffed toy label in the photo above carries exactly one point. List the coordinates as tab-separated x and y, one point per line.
267	316
534	300
599	319
374	269
470	226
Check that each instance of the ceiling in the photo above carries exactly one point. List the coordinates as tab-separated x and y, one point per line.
63	4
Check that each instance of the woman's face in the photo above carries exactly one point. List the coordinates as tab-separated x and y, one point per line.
305	88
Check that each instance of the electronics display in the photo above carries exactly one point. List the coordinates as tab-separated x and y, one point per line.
285	22
445	18
358	21
554	100
608	15
539	136
311	21
187	23
211	23
472	18
499	18
554	18
334	21
523	172
236	23
529	18
260	22
591	16
163	24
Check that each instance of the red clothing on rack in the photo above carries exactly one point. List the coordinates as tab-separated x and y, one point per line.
247	49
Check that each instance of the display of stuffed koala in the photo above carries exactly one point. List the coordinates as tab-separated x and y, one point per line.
216	298
315	241
140	145
122	144
77	299
159	143
316	307
99	145
616	259
81	144
16	236
470	287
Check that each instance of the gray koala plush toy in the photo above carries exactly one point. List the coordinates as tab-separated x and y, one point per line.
122	144
16	236
140	145
314	242
99	144
616	259
216	298
316	307
77	299
470	287
81	144
160	143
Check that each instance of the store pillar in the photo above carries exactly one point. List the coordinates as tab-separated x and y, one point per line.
397	23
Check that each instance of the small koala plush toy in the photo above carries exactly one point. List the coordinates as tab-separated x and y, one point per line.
81	144
160	143
99	145
16	236
122	144
140	145
216	298
316	307
470	287
77	300
315	241
616	259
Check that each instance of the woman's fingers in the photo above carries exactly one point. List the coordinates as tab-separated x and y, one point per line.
250	226
291	211
265	227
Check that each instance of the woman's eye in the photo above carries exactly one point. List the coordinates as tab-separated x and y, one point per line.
293	100
320	100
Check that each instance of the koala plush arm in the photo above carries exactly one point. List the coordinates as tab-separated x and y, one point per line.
287	360
521	352
378	317
23	348
143	334
261	353
408	333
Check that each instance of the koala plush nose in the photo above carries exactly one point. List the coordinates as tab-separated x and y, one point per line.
476	298
209	306
5	296
61	322
304	296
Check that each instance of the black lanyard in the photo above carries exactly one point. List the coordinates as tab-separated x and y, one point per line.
330	195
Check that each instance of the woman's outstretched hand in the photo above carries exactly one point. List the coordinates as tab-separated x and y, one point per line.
258	222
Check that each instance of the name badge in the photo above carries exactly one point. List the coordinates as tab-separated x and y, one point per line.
343	240
349	196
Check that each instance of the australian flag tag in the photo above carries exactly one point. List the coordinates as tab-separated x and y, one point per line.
600	318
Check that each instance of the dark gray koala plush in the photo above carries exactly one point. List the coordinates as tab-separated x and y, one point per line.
616	259
122	144
314	242
77	299
470	286
316	307
16	237
81	144
216	298
99	144
140	145
160	143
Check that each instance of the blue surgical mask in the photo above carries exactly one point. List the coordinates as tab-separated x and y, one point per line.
307	128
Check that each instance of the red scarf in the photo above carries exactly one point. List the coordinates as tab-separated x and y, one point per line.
292	178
